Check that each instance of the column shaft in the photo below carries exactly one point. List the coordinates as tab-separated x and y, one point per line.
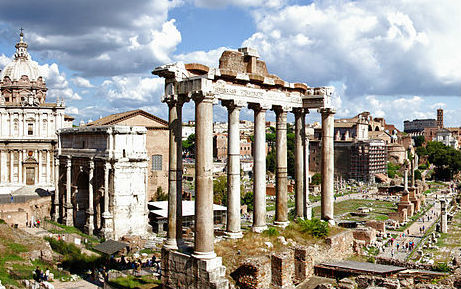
20	156
90	212
69	211
281	206
57	197
174	234
327	208
204	228
307	204
299	164
259	170
233	229
106	215
11	166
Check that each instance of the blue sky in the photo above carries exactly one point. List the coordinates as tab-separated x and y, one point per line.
397	59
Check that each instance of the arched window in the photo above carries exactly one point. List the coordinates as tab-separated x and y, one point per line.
30	129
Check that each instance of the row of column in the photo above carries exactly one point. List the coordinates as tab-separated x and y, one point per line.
39	130
204	226
9	156
66	204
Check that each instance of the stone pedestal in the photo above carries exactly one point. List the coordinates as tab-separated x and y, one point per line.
183	271
69	216
406	204
89	226
107	231
414	199
303	264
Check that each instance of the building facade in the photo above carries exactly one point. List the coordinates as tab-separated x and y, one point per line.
28	124
156	144
102	180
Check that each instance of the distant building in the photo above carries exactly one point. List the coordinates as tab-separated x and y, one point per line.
446	137
158	215
417	126
157	144
28	124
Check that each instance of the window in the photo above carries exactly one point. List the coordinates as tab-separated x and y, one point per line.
157	162
30	129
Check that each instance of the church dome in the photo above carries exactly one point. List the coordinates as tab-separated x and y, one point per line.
21	65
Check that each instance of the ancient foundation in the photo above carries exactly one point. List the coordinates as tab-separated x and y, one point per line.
183	271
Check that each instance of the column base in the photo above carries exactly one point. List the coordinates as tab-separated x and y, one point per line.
233	235
107	233
204	255
281	224
258	229
308	215
331	222
171	244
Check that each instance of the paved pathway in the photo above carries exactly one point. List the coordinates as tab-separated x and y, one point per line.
414	233
80	284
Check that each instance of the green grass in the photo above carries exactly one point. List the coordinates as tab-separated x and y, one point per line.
71	230
380	209
414	218
133	282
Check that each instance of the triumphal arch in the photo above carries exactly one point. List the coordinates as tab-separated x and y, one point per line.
241	80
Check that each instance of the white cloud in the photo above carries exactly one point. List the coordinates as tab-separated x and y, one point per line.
81	82
72	110
239	3
4	60
209	58
395	48
58	86
133	88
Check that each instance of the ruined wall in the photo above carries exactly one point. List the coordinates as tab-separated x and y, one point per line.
292	266
20	213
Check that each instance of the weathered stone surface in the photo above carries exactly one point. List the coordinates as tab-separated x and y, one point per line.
325	286
347	283
183	271
282	270
365	234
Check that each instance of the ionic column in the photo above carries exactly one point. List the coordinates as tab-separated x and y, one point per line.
174	234
20	160
106	215
90	212
57	199
69	220
11	166
48	166
307	203
299	163
259	169
39	167
204	227
281	190
233	229
327	208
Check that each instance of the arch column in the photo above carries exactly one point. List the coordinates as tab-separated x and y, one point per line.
90	212
174	234
233	226
11	166
69	219
20	160
259	168
57	199
204	226
327	207
281	190
106	215
299	162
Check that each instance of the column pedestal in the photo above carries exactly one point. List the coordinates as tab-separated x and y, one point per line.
69	218
107	231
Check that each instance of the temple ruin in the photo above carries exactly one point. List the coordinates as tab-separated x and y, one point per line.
241	80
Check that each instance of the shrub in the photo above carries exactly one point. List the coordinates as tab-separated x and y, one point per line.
271	232
316	179
442	267
160	195
2	221
315	227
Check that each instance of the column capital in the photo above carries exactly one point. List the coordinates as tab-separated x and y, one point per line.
174	99
259	106
282	108
327	110
91	164
68	161
300	111
107	165
201	96
233	104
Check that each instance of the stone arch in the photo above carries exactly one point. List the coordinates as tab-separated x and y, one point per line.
377	128
370	128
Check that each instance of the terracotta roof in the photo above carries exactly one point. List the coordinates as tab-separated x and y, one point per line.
117	117
66	116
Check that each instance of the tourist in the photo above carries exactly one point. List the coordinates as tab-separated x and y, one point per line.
37	274
47	274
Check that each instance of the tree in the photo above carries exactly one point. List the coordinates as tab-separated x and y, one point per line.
248	199
188	145
419	141
220	190
316	179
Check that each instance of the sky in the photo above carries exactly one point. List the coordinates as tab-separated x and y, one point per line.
396	59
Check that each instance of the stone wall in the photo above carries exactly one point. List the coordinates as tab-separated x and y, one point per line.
379	226
292	266
20	213
182	271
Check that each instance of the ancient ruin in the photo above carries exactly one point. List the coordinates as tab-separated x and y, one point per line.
241	80
101	175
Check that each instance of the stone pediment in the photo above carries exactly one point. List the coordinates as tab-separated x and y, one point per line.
30	160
